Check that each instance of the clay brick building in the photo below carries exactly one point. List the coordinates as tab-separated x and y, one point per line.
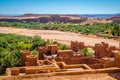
41	50
75	45
28	60
47	50
104	50
99	51
31	60
23	57
68	57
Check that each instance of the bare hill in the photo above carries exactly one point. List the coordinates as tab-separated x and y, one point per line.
46	18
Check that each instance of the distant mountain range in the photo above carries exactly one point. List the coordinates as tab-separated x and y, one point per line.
63	18
98	15
84	15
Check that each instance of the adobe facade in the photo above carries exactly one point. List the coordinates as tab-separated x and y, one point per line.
105	57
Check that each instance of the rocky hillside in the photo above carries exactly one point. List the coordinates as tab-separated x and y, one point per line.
116	18
45	18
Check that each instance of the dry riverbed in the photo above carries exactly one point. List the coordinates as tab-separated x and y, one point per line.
63	37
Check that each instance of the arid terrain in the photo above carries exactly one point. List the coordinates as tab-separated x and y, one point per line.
100	76
63	37
78	77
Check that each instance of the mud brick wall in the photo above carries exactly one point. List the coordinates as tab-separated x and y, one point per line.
100	51
103	50
117	59
65	53
110	53
81	45
105	45
67	60
12	71
109	63
83	60
8	72
75	46
78	60
93	61
96	66
31	61
52	48
23	57
96	49
41	50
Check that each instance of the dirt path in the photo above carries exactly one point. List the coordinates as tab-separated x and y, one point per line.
63	37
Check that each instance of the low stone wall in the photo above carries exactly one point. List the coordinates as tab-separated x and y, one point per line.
94	71
92	62
12	71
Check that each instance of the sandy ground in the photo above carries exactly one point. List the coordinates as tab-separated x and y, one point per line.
63	37
78	77
100	76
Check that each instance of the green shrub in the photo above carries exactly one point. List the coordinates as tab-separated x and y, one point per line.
62	47
105	35
34	52
86	52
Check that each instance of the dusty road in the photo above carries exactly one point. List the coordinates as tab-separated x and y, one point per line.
63	37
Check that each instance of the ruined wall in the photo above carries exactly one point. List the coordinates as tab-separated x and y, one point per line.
99	51
41	50
31	60
75	45
117	59
81	45
104	50
65	53
53	48
110	53
47	50
109	63
23	57
12	71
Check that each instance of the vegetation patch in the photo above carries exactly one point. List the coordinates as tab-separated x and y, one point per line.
11	46
112	29
86	52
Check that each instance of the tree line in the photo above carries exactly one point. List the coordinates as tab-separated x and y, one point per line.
11	46
107	29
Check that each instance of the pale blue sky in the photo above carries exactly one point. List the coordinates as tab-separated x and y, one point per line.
59	6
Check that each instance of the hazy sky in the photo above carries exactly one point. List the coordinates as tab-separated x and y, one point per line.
59	6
